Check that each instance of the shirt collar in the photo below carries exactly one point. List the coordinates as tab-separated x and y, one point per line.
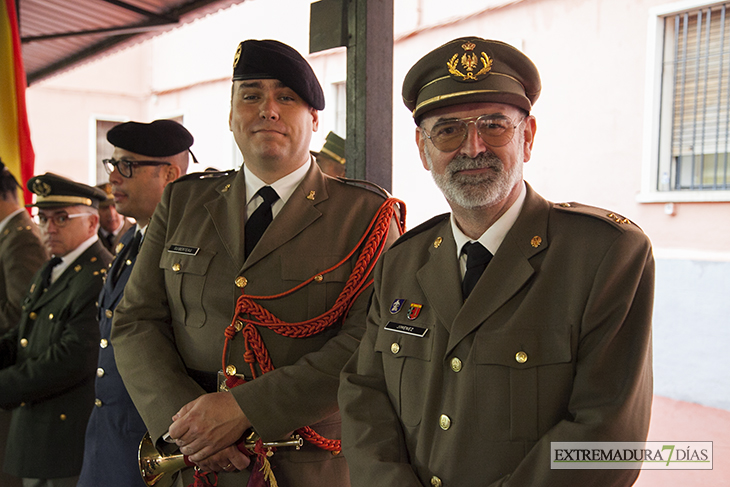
68	259
492	238
284	187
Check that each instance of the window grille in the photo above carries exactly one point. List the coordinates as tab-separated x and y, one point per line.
694	151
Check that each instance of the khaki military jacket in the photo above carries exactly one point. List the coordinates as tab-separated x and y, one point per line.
553	344
182	294
47	367
21	255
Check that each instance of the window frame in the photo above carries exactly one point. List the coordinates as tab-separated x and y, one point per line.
652	110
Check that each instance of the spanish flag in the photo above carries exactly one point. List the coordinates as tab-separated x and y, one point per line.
16	150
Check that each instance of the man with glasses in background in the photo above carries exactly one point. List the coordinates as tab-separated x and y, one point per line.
146	158
47	362
512	322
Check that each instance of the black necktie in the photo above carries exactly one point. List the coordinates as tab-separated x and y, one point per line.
477	258
46	275
259	219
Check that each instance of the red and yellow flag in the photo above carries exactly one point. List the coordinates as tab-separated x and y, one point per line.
16	149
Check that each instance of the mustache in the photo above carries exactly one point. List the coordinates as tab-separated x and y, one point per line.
462	162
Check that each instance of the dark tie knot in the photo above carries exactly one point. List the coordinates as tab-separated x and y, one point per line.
268	194
476	255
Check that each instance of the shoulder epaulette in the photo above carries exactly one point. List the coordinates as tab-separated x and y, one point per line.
205	175
361	183
599	213
421	228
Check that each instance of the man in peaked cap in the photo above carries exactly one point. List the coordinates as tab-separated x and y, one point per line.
527	322
112	225
146	158
331	158
276	224
47	362
21	255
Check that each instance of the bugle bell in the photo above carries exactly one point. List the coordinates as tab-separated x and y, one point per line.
158	469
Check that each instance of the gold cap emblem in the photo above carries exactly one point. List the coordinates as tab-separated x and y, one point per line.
41	188
469	62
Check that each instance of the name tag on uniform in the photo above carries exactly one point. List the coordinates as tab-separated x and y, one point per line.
415	331
181	249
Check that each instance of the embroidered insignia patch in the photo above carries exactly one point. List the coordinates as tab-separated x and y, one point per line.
469	62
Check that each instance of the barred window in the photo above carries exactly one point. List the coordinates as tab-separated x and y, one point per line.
694	132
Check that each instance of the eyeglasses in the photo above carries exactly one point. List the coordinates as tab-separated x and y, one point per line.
125	166
449	135
59	219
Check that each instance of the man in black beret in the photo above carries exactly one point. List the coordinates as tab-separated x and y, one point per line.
47	362
185	329
527	322
146	158
331	158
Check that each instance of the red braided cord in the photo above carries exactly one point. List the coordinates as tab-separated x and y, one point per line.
256	352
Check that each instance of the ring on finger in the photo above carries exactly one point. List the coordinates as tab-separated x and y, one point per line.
228	467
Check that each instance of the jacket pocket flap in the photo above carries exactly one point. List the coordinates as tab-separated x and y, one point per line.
531	348
196	264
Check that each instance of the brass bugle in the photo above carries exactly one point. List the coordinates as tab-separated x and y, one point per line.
157	468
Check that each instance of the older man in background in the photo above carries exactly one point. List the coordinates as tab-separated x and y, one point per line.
47	362
21	255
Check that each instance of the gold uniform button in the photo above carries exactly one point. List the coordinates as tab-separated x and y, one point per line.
23	342
238	325
50	316
97	403
241	282
129	262
318	278
33	315
176	267
104	343
395	348
521	357
108	313
231	369
436	482
100	372
456	364
444	422
62	417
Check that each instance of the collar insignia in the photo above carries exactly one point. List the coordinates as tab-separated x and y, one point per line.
469	62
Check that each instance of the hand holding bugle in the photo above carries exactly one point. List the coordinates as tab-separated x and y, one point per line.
157	468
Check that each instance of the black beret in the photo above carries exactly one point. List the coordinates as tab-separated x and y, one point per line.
471	69
160	138
269	59
54	191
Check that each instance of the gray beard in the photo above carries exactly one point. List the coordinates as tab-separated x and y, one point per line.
476	191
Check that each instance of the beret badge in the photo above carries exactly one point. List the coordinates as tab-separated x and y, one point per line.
41	188
237	57
469	63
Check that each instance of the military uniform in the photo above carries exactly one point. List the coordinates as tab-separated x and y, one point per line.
111	244
47	367
21	255
553	344
182	295
115	428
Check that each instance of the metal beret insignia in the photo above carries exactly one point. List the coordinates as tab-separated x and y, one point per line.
469	62
237	56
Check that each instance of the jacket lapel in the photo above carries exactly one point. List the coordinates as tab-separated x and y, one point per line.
228	213
508	271
439	278
298	213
